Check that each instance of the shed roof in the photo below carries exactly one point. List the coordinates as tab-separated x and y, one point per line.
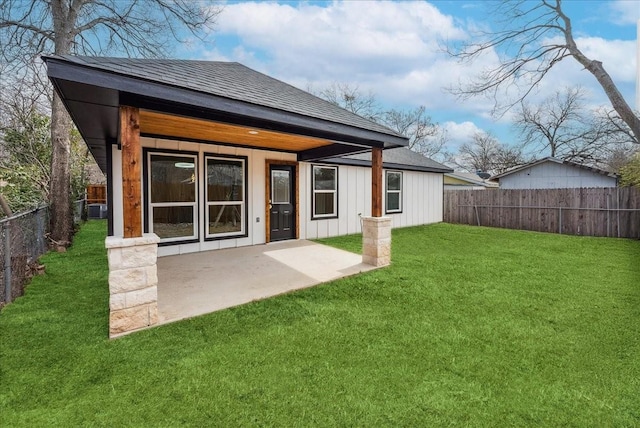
92	88
557	161
472	179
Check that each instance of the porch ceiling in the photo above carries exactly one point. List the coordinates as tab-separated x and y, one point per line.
160	124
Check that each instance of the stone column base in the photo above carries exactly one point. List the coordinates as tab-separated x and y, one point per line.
376	241
133	283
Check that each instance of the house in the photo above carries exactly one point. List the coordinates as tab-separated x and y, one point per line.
458	180
204	155
554	173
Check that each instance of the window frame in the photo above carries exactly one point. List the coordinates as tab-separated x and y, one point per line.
334	214
244	231
387	191
149	205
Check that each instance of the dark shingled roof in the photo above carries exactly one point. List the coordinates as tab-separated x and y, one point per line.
399	158
230	80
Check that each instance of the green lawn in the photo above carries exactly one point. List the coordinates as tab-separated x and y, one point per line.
469	326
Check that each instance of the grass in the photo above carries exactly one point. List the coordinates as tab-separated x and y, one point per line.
469	326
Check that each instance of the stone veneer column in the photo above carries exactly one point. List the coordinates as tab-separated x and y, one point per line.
376	241
133	283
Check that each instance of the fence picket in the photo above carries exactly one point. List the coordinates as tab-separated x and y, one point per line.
611	212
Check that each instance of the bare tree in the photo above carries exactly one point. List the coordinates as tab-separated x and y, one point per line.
485	153
30	28
425	136
561	126
350	98
534	37
613	129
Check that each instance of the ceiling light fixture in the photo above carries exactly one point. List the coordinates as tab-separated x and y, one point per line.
253	132
185	165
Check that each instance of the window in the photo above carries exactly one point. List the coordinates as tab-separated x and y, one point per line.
394	192
325	191
172	187
226	212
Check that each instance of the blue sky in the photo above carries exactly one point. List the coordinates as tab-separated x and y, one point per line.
392	50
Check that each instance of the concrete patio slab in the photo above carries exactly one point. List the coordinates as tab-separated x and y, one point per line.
199	283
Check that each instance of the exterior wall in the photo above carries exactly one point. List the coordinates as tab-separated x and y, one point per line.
551	175
421	201
422	197
256	192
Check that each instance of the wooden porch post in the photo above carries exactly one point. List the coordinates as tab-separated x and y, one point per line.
376	182
131	167
133	272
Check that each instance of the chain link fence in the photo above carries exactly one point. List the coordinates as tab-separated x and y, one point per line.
23	239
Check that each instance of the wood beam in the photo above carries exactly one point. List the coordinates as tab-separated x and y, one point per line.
131	171
376	182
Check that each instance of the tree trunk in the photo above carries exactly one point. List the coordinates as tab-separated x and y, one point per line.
617	100
604	79
64	19
60	187
5	206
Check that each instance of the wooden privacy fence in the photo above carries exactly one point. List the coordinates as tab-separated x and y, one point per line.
96	194
613	212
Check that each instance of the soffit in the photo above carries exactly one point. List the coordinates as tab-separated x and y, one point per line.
187	128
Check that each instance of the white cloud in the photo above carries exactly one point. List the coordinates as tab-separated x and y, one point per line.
618	59
625	12
387	47
391	49
459	133
617	56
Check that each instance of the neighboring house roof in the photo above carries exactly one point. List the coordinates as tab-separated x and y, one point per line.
92	88
558	161
400	158
468	179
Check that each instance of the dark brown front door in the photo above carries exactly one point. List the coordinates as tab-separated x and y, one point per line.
282	220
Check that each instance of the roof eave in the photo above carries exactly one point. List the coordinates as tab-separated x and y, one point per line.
386	165
162	97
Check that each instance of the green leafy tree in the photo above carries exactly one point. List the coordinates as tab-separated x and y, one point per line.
25	166
630	173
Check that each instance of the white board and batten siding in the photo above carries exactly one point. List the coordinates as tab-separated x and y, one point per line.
421	201
422	196
551	175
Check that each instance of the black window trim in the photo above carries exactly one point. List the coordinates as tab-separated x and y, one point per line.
245	160
313	192
387	191
146	207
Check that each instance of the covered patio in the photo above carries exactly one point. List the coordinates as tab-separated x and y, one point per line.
199	283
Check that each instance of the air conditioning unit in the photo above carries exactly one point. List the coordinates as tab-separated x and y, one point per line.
95	211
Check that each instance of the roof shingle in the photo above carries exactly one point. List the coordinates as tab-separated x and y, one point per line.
230	80
398	158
